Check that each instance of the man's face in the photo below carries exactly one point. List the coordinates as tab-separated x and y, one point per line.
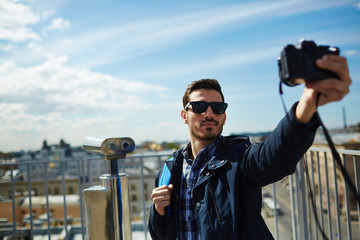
206	126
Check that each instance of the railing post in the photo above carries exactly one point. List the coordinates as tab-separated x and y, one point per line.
320	190
143	196
347	204
13	201
357	183
275	212
312	186
302	226
328	197
292	201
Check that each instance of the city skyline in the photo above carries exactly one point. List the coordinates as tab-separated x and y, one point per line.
71	69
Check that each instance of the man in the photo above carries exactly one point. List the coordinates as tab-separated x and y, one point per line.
215	184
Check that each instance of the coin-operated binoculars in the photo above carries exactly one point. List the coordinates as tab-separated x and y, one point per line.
107	205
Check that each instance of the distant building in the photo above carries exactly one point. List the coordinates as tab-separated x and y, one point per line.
31	173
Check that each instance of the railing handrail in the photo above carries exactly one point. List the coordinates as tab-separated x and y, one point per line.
342	151
69	159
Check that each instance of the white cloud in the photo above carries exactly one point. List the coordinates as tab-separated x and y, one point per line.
46	14
352	52
244	57
35	47
357	5
132	39
53	86
15	19
7	47
54	100
59	23
23	130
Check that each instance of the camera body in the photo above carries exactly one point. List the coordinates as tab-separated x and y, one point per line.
297	64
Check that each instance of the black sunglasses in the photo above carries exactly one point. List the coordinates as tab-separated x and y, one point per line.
201	106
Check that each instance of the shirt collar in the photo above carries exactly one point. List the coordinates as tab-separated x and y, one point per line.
204	153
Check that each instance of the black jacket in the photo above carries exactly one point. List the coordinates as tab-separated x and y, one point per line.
227	195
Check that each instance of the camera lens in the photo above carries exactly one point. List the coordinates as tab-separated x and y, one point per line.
112	146
125	145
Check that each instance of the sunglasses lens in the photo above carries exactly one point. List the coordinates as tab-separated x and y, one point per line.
199	107
218	108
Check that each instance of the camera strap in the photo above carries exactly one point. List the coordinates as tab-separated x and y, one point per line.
282	101
335	155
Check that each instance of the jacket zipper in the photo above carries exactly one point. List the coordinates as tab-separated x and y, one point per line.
215	203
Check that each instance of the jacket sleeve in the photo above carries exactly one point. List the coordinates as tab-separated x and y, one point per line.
158	224
278	155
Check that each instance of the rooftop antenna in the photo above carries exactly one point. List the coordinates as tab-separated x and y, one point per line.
344	118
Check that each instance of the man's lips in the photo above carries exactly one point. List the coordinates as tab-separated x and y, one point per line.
209	123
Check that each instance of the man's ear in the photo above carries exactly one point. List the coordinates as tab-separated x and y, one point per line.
184	116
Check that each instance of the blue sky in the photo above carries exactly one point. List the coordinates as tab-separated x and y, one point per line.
70	69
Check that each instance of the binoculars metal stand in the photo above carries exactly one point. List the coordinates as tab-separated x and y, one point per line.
107	205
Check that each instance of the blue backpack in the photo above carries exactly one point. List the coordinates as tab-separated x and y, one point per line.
165	180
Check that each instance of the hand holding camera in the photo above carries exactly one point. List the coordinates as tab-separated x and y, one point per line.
332	89
321	69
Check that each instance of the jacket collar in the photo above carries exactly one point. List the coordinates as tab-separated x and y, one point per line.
217	161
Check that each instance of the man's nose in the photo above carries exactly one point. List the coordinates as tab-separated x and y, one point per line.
209	112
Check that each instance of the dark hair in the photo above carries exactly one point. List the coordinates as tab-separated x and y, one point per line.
209	84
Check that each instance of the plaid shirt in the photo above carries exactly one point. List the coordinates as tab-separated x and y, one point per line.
188	227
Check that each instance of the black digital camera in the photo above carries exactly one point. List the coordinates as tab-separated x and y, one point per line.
297	63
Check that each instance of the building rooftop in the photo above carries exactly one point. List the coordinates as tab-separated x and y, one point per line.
55	200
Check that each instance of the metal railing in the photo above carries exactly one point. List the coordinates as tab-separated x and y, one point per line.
335	208
289	215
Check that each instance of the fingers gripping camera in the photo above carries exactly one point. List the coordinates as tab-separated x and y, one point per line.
297	64
112	148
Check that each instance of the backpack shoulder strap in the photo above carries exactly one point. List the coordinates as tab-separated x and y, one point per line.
165	180
165	174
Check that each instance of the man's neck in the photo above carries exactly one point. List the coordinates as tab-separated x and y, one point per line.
197	145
